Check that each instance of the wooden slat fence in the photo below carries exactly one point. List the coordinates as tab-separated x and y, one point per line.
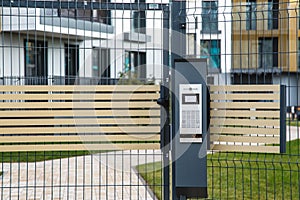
245	118
65	118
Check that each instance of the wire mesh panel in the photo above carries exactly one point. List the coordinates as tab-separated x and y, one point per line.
249	42
246	118
56	56
114	42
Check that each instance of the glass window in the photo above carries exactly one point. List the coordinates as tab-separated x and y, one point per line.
209	16
71	63
191	43
139	20
273	7
101	60
268	52
135	65
102	16
211	49
251	15
36	64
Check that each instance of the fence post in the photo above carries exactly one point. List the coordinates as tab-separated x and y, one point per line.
166	95
282	119
178	50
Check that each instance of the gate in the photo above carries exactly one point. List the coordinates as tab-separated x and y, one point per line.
79	83
77	142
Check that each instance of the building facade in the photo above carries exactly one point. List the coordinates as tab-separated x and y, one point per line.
209	36
79	46
265	44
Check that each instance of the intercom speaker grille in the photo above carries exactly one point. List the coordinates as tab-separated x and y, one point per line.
190	119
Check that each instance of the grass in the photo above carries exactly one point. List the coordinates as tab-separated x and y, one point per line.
244	175
293	123
152	174
40	156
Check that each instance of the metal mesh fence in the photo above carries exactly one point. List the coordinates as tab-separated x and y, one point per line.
75	43
250	42
123	42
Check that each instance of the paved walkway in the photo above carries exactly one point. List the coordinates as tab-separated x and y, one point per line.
101	176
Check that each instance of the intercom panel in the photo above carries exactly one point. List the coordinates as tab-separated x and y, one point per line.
190	104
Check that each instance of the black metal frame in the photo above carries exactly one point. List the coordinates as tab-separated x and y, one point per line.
86	5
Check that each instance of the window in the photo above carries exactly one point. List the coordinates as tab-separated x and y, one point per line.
36	64
102	16
273	8
135	65
191	43
268	52
101	65
209	16
139	20
211	49
251	15
71	63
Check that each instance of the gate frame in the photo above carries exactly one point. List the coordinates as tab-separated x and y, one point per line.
165	8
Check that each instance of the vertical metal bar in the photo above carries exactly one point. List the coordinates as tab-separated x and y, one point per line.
282	118
165	115
178	41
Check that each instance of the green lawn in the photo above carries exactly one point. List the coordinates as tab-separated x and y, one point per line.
293	123
40	156
244	175
152	174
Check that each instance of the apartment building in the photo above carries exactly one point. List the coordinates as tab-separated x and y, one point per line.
265	49
209	36
79	46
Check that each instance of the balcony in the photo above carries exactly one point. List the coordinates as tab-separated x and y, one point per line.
50	22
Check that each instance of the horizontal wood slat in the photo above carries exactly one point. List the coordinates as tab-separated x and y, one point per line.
47	118
80	88
244	88
245	118
245	139
245	113
80	138
79	121
245	105
69	105
244	130
83	129
79	147
242	96
245	122
89	96
79	113
240	148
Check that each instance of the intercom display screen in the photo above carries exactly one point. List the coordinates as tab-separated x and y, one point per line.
190	98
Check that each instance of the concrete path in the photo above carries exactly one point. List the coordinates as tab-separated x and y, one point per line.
100	176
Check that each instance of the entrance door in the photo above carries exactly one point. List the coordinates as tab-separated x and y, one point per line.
71	63
36	67
101	66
